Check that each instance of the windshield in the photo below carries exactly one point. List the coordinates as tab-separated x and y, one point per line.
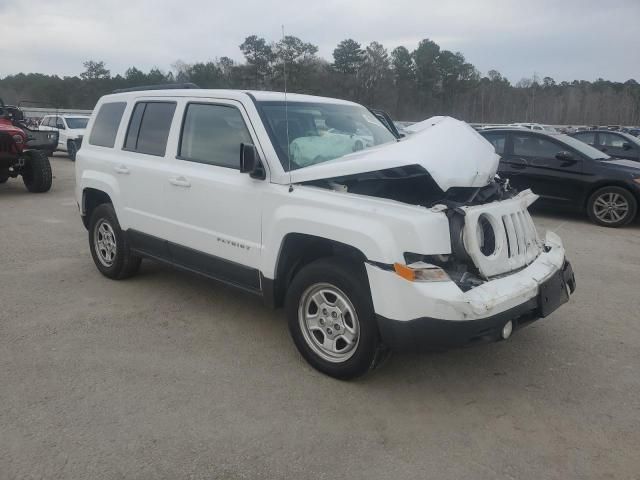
77	122
319	132
588	150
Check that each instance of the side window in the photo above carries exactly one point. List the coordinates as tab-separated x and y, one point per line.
498	141
534	146
586	137
59	123
105	126
611	140
212	134
148	130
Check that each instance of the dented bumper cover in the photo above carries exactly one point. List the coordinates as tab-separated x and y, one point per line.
415	315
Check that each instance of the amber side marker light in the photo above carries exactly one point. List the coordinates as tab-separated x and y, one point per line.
421	272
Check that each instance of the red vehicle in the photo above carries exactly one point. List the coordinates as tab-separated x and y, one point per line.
23	151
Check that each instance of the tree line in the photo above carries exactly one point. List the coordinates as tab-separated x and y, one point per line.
409	84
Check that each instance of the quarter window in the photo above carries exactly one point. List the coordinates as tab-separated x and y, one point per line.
212	134
148	130
105	126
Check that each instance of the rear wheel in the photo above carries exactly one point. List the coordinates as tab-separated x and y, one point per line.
109	246
612	207
331	319
4	177
37	174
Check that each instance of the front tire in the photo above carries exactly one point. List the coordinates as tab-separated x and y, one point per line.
331	318
612	207
109	246
72	150
37	176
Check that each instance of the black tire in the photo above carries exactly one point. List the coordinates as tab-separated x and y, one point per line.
3	177
602	196
124	264
37	174
72	150
350	279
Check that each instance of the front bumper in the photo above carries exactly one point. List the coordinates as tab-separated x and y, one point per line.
439	315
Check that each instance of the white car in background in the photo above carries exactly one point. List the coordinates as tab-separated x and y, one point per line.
70	129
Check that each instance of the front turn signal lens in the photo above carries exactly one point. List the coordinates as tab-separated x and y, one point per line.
421	272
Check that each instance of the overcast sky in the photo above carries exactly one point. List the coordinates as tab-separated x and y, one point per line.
564	39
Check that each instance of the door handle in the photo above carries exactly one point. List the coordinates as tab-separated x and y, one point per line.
122	169
180	182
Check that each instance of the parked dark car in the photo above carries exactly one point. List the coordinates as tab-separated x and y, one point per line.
570	174
615	144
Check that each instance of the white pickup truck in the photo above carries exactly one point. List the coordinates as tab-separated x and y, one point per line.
370	242
70	130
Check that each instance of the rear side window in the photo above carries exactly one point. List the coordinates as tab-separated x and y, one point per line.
212	134
586	137
498	141
148	130
534	146
105	126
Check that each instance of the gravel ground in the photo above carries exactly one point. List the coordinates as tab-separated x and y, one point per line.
168	375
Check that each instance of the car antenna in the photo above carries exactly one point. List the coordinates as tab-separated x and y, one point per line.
286	110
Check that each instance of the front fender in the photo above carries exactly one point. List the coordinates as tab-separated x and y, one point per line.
382	230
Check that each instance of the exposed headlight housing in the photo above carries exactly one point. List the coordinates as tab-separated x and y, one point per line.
486	235
17	138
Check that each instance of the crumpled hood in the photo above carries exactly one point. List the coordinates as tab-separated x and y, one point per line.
453	153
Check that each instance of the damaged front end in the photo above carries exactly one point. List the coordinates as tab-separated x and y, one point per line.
447	168
476	241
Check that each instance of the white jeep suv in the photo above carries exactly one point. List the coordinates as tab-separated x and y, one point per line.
370	242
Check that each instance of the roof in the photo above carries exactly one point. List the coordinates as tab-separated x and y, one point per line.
259	95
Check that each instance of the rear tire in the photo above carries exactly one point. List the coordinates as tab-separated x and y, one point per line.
612	207
109	246
3	177
37	174
339	335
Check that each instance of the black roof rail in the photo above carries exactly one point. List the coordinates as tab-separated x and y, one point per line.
161	86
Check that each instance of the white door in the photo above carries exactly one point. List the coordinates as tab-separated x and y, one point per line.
215	210
140	167
62	133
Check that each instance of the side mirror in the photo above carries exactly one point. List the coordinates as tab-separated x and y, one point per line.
565	157
250	163
627	146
